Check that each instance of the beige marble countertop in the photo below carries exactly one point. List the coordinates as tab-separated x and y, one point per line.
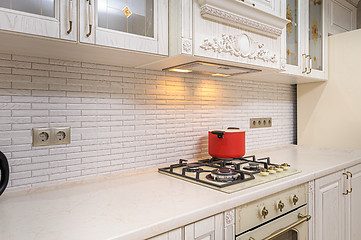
145	203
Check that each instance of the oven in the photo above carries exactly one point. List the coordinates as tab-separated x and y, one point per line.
282	216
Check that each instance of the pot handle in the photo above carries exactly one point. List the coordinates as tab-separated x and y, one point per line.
236	128
4	168
218	133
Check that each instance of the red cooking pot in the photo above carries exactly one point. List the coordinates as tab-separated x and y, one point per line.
226	144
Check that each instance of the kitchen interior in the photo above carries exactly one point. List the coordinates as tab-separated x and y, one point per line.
180	119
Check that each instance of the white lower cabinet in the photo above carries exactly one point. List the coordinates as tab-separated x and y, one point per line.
337	208
218	227
353	200
172	235
207	229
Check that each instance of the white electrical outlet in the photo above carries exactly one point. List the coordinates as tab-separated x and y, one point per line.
60	135
41	136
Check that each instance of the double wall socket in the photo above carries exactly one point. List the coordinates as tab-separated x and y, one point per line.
51	136
260	122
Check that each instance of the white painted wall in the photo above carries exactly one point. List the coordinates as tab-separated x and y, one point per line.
126	118
329	114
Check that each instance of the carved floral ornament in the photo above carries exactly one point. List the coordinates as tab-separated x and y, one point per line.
240	46
229	217
187	46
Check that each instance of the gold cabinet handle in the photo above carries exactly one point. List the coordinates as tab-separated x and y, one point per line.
350	191
309	64
301	219
347	192
70	27
304	61
70	12
90	17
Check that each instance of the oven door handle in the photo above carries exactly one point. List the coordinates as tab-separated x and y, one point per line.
301	219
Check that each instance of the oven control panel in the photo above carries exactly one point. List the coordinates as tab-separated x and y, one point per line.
267	208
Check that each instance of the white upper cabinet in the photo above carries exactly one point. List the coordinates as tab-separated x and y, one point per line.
270	6
342	16
140	25
50	18
306	38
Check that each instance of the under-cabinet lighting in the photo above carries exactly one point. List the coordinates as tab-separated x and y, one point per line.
180	70
220	75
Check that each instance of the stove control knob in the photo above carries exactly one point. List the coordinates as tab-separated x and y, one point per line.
293	199
263	212
280	205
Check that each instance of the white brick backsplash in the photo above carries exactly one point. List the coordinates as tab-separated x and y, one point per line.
126	118
29	59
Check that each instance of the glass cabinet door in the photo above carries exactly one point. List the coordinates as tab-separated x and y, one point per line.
39	7
35	17
129	16
140	25
315	41
292	37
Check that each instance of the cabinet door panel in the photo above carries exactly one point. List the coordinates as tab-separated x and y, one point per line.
86	18
329	207
316	33
294	37
211	228
140	25
270	6
204	226
342	16
30	18
172	235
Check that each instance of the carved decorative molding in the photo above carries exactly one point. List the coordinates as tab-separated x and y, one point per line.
229	217
240	46
239	21
283	62
186	46
311	187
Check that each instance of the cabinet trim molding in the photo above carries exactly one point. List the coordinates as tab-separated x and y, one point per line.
223	16
240	46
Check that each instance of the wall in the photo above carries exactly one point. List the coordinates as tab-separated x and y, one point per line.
124	118
329	114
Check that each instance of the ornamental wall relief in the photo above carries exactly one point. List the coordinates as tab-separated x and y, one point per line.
240	46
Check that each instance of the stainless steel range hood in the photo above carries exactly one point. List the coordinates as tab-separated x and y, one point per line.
211	69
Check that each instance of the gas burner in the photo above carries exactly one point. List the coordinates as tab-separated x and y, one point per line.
223	175
252	166
193	167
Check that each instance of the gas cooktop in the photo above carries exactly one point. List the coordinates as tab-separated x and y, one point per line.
229	175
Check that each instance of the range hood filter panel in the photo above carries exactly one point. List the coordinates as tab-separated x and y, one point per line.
211	69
